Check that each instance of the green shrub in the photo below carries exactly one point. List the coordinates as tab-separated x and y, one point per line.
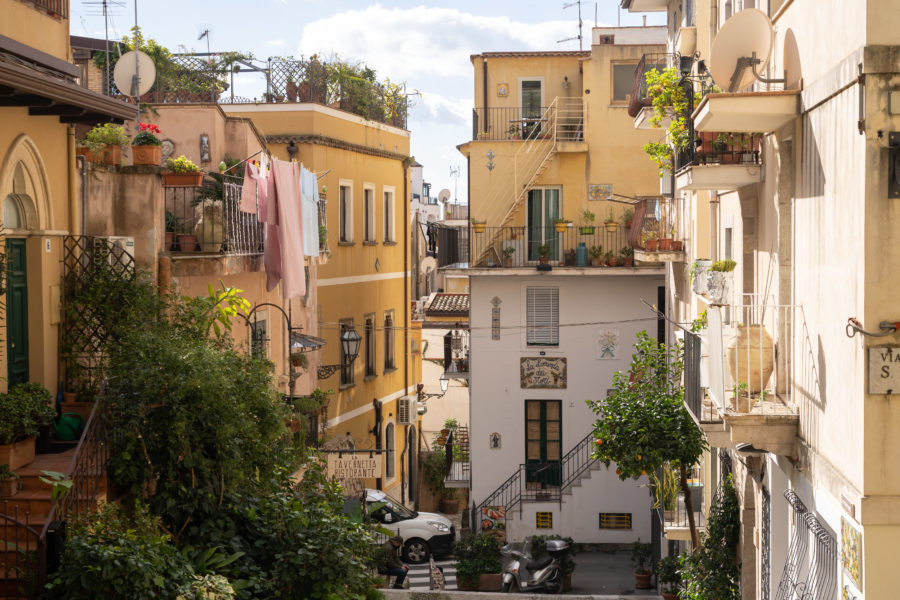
723	265
182	165
114	555
104	135
476	554
25	408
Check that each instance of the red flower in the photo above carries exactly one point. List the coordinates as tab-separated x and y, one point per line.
148	127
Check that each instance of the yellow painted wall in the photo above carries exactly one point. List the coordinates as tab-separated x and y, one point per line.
35	28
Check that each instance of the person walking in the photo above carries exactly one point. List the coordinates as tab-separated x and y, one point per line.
394	566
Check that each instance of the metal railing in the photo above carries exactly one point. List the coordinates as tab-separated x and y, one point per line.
56	8
513	247
456	455
817	578
208	219
521	123
721	148
653	61
452	245
23	554
540	482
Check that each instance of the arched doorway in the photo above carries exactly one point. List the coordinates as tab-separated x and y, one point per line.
413	463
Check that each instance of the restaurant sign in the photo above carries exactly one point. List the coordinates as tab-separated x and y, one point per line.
354	466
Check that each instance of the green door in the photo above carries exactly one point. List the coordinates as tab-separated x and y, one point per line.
16	313
543	441
543	211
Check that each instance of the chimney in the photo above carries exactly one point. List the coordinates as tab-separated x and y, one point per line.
645	20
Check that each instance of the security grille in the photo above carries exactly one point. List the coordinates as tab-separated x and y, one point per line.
543	520
615	520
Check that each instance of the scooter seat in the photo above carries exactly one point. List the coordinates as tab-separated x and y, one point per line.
539	564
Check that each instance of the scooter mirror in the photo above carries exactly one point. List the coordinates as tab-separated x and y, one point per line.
388	518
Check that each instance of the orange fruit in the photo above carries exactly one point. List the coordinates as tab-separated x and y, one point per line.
618	471
643	472
639	457
598	441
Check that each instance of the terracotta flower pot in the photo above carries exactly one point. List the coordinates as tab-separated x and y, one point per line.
187	242
85	152
651	245
677	245
642	580
668	596
170	241
18	454
110	155
182	179
596	262
629	261
146	155
9	487
490	582
665	244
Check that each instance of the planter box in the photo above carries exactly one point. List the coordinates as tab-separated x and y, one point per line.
182	179
9	487
19	454
110	155
490	582
718	285
146	155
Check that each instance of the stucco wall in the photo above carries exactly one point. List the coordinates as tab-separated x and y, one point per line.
35	28
497	398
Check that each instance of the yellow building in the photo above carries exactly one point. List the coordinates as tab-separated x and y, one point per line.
364	285
40	101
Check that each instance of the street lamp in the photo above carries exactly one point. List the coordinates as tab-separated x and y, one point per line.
350	350
445	383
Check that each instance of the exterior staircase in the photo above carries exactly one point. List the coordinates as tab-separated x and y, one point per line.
575	467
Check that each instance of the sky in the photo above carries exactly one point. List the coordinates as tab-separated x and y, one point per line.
427	46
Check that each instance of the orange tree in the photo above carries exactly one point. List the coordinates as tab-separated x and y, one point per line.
643	423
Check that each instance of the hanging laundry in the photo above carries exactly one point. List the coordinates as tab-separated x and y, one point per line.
286	205
309	196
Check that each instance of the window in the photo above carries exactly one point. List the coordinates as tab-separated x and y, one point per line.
623	80
542	308
346	367
543	520
259	335
369	214
389	215
389	451
389	341
615	520
370	346
346	213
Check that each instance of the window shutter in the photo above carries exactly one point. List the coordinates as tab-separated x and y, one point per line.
542	307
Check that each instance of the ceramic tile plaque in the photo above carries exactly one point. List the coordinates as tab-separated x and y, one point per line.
851	553
543	373
599	191
884	369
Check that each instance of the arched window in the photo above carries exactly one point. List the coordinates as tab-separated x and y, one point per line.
14	212
389	450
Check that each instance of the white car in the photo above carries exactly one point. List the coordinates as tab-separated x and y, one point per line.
423	533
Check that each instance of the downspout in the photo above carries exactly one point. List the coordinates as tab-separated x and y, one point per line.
406	162
376	405
484	94
73	195
713	24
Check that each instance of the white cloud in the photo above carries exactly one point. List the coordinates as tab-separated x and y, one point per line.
277	43
442	109
404	44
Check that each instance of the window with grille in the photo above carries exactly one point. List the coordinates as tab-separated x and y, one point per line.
542	308
369	214
389	214
543	520
345	206
389	341
346	367
615	520
370	345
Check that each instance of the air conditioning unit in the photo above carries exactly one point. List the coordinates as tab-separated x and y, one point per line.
117	250
406	410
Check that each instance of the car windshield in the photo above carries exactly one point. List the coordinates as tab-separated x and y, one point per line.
394	505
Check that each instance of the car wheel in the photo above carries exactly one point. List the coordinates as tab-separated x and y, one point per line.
416	551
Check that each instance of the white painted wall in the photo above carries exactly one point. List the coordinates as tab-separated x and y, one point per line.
498	401
452	405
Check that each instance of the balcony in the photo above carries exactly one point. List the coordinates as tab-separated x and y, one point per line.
457	459
720	161
562	121
54	8
747	112
752	386
639	105
670	508
656	238
456	354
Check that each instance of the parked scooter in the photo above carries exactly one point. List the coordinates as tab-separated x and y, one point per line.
524	574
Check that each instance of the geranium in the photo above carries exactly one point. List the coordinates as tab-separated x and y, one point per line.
146	136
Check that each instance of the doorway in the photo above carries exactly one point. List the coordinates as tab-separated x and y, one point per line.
531	91
543	442
543	209
16	313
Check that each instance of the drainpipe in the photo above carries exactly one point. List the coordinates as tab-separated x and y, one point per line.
73	195
484	93
713	24
406	162
376	405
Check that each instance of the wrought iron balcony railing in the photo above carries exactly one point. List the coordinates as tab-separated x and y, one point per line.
649	62
516	247
721	148
565	116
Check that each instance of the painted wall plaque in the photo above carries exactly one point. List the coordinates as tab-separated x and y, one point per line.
543	373
884	369
851	552
607	345
599	191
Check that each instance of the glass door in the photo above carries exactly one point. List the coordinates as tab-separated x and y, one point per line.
543	210
532	94
543	442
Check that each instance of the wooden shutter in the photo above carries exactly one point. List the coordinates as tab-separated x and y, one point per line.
542	307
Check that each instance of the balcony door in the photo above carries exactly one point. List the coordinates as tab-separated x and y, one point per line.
531	91
543	442
16	313
543	209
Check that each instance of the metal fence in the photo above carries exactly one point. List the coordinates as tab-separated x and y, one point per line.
208	219
817	577
524	246
58	8
513	123
723	148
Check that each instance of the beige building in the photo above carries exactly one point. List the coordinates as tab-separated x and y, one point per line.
792	175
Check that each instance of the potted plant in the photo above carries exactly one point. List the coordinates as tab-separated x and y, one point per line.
544	254
698	276
667	574
640	558
484	135
718	281
514	133
299	360
106	142
185	239
9	481
587	222
677	245
611	225
596	254
508	252
609	258
627	256
560	225
146	148
478	556
479	225
172	228
628	217
25	409
649	241
184	173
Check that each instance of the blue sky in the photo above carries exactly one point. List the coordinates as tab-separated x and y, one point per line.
426	46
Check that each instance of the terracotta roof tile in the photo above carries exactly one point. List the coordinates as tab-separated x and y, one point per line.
449	304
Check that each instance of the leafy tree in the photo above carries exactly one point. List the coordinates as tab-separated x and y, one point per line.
644	424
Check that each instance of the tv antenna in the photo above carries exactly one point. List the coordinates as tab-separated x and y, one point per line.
205	34
454	173
580	23
105	8
741	49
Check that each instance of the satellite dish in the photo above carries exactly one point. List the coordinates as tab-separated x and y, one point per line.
741	49
134	73
444	196
428	264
